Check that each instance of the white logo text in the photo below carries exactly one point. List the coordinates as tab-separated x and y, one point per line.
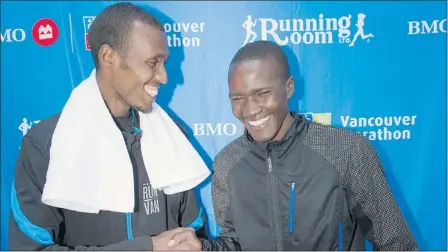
219	129
422	27
177	34
306	30
13	35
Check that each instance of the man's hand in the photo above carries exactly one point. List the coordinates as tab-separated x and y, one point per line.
185	240
160	242
177	239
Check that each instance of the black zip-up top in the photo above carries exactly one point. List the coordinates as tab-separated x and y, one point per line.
320	188
36	226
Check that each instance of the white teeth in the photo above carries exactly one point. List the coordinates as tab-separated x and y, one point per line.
151	90
259	122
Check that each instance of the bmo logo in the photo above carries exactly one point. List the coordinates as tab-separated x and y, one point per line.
427	27
45	32
214	129
13	35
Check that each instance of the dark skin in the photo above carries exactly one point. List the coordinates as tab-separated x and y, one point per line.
259	90
123	80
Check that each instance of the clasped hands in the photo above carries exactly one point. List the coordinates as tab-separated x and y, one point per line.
177	239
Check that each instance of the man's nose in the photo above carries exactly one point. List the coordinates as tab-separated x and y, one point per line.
251	109
162	76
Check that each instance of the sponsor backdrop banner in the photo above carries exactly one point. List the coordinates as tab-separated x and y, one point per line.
378	68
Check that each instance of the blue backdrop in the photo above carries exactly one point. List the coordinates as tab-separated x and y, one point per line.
374	67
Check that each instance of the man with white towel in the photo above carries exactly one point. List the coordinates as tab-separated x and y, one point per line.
112	171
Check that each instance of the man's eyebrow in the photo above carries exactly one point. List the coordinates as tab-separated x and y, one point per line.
160	55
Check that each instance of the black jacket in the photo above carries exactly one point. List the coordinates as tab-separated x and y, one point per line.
35	226
320	188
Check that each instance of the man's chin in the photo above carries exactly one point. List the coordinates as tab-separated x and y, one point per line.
145	110
260	137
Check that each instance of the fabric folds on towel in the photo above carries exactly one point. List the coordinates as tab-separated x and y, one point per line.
90	169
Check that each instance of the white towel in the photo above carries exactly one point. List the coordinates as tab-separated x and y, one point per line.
90	169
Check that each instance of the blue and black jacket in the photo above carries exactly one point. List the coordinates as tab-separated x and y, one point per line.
320	188
36	226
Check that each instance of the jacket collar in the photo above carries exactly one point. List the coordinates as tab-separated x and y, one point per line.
296	132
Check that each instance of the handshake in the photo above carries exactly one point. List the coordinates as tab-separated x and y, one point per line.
177	239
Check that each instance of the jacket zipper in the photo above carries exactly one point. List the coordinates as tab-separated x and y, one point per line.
292	197
129	215
274	198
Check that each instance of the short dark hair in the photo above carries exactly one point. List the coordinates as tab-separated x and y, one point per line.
113	27
261	50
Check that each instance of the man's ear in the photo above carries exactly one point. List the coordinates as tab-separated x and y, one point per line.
290	87
106	56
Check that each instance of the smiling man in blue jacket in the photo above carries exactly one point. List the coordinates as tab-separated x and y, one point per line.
127	34
292	184
300	185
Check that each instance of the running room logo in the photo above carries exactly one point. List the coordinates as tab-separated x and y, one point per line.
26	125
321	30
87	20
45	32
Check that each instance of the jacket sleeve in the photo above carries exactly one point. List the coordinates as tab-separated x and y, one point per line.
190	214
186	211
36	226
367	181
227	240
